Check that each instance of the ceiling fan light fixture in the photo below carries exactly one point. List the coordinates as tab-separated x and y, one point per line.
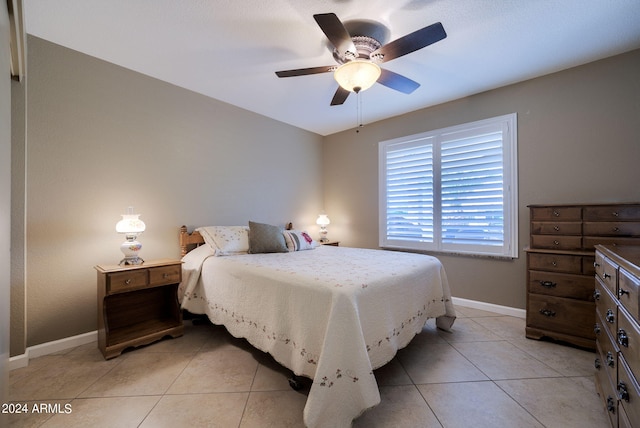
357	75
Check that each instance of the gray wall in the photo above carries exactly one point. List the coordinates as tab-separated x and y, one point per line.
102	138
578	142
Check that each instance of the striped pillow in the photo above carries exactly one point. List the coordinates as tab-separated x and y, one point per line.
297	240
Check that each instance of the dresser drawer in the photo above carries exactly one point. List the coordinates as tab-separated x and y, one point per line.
555	262
628	286
556	242
591	241
606	308
628	338
569	316
165	275
126	281
561	284
556	228
607	272
612	213
612	228
628	391
606	361
556	213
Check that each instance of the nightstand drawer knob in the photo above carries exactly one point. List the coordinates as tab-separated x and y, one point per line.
165	275
547	312
128	281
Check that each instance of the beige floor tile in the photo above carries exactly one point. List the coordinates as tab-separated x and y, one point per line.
467	330
217	371
140	374
58	377
392	373
502	360
197	411
192	340
465	312
438	363
121	412
277	409
400	407
566	360
559	402
271	376
505	327
477	405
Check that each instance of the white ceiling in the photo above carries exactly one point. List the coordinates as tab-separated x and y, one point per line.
230	49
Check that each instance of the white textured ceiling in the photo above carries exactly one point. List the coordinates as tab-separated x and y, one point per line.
230	49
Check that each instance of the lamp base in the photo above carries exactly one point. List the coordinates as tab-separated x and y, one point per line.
131	261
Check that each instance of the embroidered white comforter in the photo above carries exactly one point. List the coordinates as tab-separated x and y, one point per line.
332	314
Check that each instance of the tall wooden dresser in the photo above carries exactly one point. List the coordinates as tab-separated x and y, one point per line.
617	328
560	265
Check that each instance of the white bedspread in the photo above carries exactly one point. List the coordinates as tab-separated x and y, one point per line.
332	314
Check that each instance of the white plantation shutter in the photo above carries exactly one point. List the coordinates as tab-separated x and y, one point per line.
451	190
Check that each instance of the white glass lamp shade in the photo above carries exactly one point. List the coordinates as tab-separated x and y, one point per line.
357	75
131	226
323	221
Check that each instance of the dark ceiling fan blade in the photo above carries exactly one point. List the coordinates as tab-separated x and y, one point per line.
306	71
340	96
398	82
336	33
410	43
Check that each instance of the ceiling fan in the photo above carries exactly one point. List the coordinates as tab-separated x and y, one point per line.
358	57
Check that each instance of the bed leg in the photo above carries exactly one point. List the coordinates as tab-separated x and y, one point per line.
295	382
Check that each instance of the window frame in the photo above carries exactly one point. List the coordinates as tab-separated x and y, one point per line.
509	249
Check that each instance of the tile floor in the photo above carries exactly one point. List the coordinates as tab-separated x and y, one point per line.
482	374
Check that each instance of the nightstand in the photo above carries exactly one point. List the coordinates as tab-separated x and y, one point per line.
332	243
137	304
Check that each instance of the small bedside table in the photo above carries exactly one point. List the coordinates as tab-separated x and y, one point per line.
137	304
332	243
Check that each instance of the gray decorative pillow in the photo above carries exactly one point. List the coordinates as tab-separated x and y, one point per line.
265	238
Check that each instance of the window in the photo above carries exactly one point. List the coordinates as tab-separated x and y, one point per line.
452	190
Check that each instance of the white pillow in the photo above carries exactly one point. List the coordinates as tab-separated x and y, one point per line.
297	240
226	240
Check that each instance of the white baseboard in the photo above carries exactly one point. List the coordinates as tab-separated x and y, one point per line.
50	348
503	310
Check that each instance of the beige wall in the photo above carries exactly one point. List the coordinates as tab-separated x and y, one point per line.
101	138
578	142
5	197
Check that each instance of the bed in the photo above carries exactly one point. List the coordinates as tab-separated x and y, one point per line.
329	313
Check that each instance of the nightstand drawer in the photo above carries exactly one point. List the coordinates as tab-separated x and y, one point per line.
165	275
125	281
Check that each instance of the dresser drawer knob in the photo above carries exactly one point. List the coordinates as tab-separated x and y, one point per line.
610	317
596	294
611	361
596	328
548	313
556	213
556	242
611	405
615	214
556	228
596	264
554	263
623	339
596	363
623	393
606	276
548	284
622	292
127	281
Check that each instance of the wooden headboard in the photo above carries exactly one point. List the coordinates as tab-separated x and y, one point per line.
189	241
